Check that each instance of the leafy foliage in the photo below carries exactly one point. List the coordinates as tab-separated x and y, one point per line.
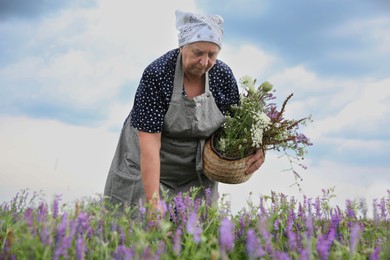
277	228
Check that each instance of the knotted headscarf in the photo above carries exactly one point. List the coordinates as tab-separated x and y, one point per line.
196	27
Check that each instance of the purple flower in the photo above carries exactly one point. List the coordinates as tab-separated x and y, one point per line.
292	236
80	248
324	243
318	207
253	247
122	236
142	210
382	207
262	209
281	256
57	198
28	216
309	226
354	239
193	227
44	235
161	249
177	242
350	209
276	224
42	212
226	235
61	228
82	222
122	252
375	254
180	206
63	247
208	197
266	235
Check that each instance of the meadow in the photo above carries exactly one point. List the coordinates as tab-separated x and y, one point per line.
275	226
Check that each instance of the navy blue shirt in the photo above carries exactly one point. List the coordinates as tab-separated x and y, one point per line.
154	92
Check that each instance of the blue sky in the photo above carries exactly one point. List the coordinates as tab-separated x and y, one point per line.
69	71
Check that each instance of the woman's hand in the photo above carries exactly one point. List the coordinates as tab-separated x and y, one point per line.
255	161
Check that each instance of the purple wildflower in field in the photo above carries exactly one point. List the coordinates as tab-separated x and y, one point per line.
324	243
177	242
317	206
375	254
226	235
164	209
44	235
99	231
267	236
28	216
354	237
242	224
305	254
262	210
309	226
382	207
63	247
61	229
306	251
142	210
122	252
42	212
350	209
254	248
56	201
292	236
161	250
281	256
208	198
80	248
82	223
301	211
193	227
122	236
180	207
276	224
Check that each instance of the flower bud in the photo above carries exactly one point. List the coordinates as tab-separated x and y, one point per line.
266	86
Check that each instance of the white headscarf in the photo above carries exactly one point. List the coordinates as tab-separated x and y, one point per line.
195	28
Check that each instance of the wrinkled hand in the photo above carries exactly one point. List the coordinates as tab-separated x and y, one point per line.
255	161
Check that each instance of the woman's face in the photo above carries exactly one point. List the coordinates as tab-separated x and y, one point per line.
199	57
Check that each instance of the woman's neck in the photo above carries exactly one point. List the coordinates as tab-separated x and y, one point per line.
194	86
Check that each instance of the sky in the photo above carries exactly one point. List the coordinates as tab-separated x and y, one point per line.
69	71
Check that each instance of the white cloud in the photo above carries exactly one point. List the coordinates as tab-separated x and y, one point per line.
86	55
54	157
246	60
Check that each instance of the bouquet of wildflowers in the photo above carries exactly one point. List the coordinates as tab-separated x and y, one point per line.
256	123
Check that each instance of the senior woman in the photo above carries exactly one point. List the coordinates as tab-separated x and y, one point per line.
181	100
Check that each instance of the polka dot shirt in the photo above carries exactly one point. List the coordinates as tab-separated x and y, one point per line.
154	92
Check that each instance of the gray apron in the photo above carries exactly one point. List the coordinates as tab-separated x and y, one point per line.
187	123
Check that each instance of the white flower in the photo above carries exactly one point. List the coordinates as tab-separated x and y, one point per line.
247	83
261	122
222	144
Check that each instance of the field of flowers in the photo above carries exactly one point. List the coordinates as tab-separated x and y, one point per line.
276	227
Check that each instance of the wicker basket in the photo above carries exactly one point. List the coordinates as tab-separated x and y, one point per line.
223	169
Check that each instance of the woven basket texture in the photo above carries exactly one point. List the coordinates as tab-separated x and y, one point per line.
219	168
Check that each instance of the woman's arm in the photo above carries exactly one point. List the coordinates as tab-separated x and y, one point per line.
150	144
